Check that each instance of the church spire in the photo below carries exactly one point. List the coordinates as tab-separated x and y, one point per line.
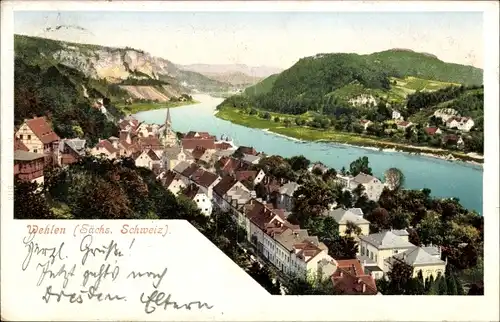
168	120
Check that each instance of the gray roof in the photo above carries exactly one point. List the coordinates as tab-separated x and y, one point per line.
181	166
77	145
342	216
432	250
417	256
365	260
172	152
250	158
386	240
400	232
289	188
20	155
363	178
289	237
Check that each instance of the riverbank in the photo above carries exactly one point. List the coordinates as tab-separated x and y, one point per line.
142	107
302	133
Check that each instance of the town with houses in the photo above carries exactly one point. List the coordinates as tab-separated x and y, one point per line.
449	117
205	170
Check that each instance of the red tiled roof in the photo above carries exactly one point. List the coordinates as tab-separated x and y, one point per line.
306	249
198	135
105	144
68	158
350	279
42	130
259	214
19	145
223	146
226	183
204	178
191	191
431	130
169	177
198	152
189	171
192	143
230	165
150	142
245	175
152	154
364	121
402	123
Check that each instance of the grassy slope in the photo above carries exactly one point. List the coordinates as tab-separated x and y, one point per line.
408	63
262	87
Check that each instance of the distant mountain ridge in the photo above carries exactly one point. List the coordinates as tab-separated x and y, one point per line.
212	69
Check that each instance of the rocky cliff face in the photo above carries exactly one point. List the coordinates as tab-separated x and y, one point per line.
114	64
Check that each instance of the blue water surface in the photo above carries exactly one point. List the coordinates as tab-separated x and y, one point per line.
444	178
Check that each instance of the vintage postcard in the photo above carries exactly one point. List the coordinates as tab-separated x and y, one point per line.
196	161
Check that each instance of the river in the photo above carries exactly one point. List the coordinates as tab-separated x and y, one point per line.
444	178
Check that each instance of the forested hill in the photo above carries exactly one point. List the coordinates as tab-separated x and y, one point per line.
402	63
336	79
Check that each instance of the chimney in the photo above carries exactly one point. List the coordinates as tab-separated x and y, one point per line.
364	287
341	273
364	262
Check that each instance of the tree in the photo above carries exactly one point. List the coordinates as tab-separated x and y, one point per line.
400	219
352	228
451	284
276	119
29	202
442	286
342	247
429	229
262	276
394	178
399	276
299	163
379	220
361	165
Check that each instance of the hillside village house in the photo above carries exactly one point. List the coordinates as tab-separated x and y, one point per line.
318	165
194	139
203	202
174	156
373	186
403	125
353	215
378	249
350	279
427	260
285	197
445	113
172	181
396	115
147	159
249	175
206	181
105	149
464	124
251	159
28	166
70	151
220	192
433	130
37	135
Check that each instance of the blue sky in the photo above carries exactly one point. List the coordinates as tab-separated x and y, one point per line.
267	38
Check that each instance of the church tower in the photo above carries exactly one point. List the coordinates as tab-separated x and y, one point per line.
168	140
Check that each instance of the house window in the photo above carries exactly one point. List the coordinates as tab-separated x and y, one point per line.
206	209
197	200
371	255
35	151
21	137
396	251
